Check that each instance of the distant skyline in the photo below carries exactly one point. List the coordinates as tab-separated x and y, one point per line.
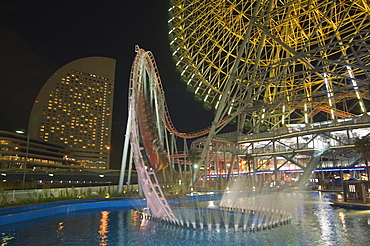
38	37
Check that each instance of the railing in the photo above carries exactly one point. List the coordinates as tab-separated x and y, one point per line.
307	128
14	195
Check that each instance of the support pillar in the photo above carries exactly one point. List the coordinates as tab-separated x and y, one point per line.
124	152
275	163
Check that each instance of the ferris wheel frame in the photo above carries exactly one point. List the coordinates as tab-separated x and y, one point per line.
269	64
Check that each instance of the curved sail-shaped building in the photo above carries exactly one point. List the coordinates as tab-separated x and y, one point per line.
74	108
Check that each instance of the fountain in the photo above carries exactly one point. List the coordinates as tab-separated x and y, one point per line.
240	209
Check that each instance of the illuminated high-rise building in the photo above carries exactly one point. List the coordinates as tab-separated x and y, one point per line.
74	108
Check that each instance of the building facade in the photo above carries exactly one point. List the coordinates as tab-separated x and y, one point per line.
19	150
74	108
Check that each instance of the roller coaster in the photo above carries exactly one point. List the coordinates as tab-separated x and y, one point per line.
293	76
147	136
148	122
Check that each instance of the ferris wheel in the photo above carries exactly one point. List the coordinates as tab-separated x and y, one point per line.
274	63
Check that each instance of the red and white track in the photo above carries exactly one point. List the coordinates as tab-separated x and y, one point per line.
144	69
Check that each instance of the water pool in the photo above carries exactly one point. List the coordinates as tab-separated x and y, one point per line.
314	222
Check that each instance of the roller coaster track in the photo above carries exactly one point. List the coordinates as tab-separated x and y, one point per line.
195	134
169	125
143	150
148	116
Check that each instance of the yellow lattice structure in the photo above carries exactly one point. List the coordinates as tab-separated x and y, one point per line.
278	62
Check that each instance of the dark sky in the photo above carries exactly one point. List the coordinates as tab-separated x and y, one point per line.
38	37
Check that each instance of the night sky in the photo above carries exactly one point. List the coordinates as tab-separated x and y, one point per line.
38	37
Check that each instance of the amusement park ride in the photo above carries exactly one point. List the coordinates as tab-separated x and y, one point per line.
269	65
293	76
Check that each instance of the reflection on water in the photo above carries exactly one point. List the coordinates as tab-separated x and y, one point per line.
325	219
60	226
6	238
60	231
314	222
342	220
136	220
104	228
